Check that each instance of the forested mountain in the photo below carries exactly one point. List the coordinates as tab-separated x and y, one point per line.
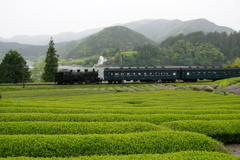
108	40
35	51
198	49
228	44
156	30
26	50
159	30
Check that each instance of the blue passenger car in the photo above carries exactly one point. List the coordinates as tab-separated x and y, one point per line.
143	74
210	73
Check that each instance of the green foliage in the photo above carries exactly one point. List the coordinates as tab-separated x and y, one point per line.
224	83
180	53
183	155
37	70
151	118
236	63
13	128
227	44
46	121
227	131
115	144
14	69
208	55
51	63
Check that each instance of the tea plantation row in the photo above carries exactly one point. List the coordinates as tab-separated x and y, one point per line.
166	124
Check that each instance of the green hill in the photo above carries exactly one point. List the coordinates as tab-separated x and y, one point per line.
108	39
26	50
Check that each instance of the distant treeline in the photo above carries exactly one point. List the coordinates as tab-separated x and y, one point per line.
196	48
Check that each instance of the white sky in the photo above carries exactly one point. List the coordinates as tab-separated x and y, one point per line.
35	17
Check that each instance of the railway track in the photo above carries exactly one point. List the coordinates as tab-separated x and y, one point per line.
47	84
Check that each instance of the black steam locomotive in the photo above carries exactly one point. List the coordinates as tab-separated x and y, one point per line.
79	77
147	74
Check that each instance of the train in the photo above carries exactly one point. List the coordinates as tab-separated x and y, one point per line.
146	74
79	77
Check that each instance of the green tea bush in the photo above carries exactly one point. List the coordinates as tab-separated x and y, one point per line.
227	131
109	144
152	118
122	110
13	128
183	155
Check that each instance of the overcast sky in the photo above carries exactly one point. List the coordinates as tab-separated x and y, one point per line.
50	17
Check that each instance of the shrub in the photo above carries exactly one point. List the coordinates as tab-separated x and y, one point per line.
152	118
183	155
116	144
13	128
209	89
227	131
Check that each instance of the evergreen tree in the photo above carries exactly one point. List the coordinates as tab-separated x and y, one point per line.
51	63
14	69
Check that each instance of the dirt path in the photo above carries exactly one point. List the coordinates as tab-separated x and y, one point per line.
234	149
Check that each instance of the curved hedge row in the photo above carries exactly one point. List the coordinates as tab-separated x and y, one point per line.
108	144
184	155
38	127
118	110
227	131
152	118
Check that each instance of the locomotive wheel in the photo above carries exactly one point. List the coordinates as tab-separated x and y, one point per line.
87	82
80	82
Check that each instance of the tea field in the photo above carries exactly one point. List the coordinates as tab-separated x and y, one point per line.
115	122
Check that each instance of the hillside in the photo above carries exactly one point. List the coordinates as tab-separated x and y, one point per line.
26	50
107	40
35	51
44	39
156	30
72	45
159	30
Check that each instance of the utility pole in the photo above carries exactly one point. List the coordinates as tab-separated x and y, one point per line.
122	72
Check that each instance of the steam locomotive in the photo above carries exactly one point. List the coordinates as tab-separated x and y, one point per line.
146	74
79	77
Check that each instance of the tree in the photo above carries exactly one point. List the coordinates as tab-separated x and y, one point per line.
37	71
207	55
14	69
236	63
51	63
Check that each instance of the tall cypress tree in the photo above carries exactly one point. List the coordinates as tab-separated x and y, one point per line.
51	63
14	69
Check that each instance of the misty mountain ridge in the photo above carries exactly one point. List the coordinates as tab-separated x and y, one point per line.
161	29
156	30
94	42
44	39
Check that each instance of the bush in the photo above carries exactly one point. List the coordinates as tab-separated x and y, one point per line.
227	131
183	155
14	128
151	118
116	144
209	89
